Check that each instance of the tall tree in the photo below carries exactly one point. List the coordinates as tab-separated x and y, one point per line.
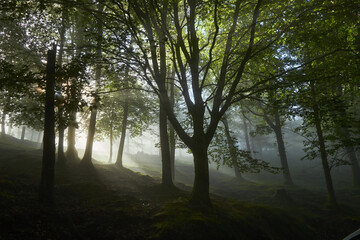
48	159
271	115
119	159
87	158
167	179
322	148
232	149
172	139
79	40
342	120
61	118
210	57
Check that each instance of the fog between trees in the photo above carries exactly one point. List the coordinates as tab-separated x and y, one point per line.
251	87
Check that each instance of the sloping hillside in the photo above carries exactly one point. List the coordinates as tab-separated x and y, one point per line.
112	203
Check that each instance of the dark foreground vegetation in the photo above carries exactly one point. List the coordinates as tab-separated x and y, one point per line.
116	203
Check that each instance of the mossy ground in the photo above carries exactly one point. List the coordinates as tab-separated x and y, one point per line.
111	203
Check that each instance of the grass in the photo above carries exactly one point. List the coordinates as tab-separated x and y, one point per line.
231	220
116	203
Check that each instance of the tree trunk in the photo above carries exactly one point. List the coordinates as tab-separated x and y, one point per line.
165	150
171	128
340	117
200	193
48	159
87	158
254	153
32	135
111	142
119	160
77	36
172	142
248	148
281	149
283	157
39	139
128	143
9	130
232	148
259	144
3	118
23	131
71	152
321	142
351	152
60	154
354	165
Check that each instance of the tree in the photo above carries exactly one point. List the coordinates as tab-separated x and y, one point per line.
225	150
172	137
87	158
209	56
61	118
232	149
119	161
329	56
321	142
140	108
272	109
108	120
75	94
21	100
343	119
48	159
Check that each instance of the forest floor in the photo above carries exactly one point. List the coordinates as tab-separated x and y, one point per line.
116	203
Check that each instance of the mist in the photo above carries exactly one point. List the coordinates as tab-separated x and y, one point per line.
179	119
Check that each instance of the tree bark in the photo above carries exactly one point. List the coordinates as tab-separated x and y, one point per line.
232	148
39	137
165	150
340	117
48	159
275	125
172	140
200	193
351	152
247	141
71	152
32	135
354	165
23	131
60	154
321	142
283	157
9	130
3	118
281	149
87	158
111	141
119	160
78	39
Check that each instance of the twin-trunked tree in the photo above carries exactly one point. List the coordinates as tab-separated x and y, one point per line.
211	46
